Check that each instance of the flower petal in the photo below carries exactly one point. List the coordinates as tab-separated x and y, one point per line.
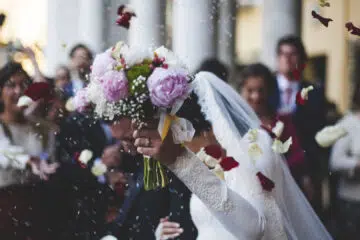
266	183
214	151
24	101
218	171
278	129
99	168
329	135
85	156
228	163
252	135
280	147
255	150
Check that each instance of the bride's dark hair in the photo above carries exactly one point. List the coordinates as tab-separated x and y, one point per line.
191	110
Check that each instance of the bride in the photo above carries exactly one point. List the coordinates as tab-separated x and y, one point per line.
258	199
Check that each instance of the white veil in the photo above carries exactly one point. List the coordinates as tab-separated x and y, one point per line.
231	119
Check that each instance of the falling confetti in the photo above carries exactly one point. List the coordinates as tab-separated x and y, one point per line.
324	21
324	3
124	16
352	29
302	95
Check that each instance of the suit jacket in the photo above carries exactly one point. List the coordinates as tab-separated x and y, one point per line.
147	207
308	120
81	201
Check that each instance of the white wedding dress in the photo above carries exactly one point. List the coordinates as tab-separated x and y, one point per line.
238	208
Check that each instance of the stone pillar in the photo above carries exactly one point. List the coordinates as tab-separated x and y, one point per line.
148	27
226	33
280	17
91	24
193	38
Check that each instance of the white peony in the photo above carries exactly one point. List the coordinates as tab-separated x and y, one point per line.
134	55
280	147
24	101
85	156
170	58
329	135
278	129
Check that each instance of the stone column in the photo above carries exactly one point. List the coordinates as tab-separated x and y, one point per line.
193	38
91	24
226	33
148	27
280	17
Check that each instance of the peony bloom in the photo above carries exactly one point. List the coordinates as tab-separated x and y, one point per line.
80	101
166	86
329	135
115	85
103	62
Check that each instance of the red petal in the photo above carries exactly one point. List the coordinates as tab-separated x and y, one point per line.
40	90
266	183
349	26
299	99
120	9
228	163
76	158
214	150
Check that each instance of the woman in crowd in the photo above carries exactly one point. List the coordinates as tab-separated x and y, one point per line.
256	85
345	160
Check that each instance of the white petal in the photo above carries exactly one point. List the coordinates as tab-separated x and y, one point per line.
305	91
252	135
24	101
254	150
108	237
329	135
207	159
278	129
219	171
115	53
69	106
99	168
85	156
280	147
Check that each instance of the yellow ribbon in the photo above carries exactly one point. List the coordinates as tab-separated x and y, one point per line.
167	124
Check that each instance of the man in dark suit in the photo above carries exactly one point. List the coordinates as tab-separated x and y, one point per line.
309	118
142	210
82	199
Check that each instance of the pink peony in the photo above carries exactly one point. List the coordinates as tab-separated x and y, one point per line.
115	85
166	86
80	100
103	62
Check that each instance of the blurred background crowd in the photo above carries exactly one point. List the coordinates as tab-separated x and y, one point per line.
253	45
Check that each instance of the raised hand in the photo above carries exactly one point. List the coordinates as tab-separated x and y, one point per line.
167	230
42	168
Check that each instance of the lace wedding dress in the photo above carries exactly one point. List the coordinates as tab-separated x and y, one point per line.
232	209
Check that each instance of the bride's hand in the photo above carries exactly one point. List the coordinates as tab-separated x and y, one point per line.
167	230
148	142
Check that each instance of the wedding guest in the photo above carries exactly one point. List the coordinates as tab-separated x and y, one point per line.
24	150
255	85
308	118
81	59
63	81
141	211
345	161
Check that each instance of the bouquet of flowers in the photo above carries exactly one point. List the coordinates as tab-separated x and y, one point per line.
140	84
